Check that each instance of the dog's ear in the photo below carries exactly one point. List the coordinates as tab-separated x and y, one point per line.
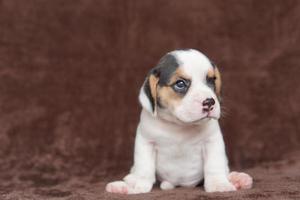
217	80
159	75
148	92
218	83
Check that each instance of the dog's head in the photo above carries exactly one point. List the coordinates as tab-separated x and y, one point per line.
184	87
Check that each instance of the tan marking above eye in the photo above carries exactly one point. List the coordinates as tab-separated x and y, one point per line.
178	74
211	73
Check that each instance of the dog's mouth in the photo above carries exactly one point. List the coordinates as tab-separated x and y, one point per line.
177	120
207	117
197	121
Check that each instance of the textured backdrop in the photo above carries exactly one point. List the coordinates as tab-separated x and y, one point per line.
70	72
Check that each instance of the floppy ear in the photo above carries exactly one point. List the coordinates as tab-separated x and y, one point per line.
215	73
148	92
218	82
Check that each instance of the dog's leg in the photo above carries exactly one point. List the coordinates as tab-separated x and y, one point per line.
240	180
142	174
216	165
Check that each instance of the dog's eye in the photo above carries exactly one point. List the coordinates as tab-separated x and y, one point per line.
211	80
180	86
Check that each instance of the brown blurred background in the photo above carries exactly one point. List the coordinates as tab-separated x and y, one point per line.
70	72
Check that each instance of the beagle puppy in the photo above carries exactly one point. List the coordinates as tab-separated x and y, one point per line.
178	139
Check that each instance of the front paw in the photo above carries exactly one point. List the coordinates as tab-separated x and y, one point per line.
240	180
130	185
119	187
137	184
218	185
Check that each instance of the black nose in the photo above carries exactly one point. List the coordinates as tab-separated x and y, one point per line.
209	102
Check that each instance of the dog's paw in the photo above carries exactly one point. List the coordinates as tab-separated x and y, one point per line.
240	180
218	185
131	185
165	185
138	185
117	187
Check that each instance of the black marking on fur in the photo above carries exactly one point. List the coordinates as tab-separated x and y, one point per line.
185	49
165	69
166	66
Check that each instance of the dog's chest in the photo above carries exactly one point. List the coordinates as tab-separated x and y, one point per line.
179	150
179	162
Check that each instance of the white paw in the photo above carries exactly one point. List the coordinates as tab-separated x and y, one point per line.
218	185
117	187
240	180
138	185
165	185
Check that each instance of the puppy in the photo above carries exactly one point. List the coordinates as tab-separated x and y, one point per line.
178	139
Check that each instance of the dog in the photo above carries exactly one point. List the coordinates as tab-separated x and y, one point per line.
178	139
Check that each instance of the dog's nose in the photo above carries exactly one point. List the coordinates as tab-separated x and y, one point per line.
208	104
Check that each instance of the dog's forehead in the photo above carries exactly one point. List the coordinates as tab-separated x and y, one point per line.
193	63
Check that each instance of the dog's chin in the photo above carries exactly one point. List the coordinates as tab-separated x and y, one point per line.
200	119
181	120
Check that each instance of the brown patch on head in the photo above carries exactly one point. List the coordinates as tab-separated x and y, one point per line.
167	97
215	74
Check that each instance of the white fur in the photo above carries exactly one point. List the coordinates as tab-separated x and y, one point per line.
195	65
178	148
